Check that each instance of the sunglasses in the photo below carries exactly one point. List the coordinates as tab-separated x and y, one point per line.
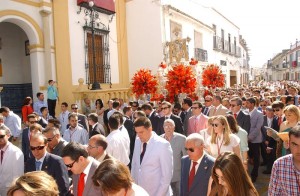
263	105
214	125
50	139
37	148
74	108
276	110
2	136
194	107
207	100
232	105
189	149
70	165
32	122
165	108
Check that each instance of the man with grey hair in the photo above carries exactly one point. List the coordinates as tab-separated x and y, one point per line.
177	142
55	142
11	161
196	167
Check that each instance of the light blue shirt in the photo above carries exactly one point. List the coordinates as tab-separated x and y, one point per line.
13	122
37	106
52	92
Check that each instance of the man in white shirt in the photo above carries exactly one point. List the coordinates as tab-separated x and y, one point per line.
75	133
11	161
115	107
63	117
117	145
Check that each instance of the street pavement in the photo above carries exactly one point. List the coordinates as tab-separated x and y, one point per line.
262	181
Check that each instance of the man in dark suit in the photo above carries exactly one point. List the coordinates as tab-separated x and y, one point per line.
97	146
82	119
178	111
151	114
195	171
167	111
77	160
186	105
105	119
32	119
242	117
51	164
128	124
268	146
96	128
207	104
55	142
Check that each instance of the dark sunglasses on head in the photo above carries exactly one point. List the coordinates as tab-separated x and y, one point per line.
70	165
37	148
2	136
189	149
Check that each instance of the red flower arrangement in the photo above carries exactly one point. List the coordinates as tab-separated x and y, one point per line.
212	77
157	97
193	61
180	80
162	65
143	82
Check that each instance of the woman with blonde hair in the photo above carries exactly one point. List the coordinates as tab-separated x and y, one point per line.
292	116
229	177
222	139
35	183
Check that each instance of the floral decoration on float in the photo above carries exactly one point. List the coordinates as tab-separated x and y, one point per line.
143	83
180	79
212	77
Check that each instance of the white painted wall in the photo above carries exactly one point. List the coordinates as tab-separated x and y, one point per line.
76	23
15	64
144	34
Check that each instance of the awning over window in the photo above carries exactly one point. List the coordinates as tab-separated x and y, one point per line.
104	6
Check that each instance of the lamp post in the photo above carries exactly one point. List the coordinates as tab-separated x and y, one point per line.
94	18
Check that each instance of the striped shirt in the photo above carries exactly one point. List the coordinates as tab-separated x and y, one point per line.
285	178
78	134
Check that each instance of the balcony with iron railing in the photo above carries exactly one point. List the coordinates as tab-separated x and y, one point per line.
224	46
200	54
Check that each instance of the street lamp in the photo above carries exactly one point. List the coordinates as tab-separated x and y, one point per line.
93	15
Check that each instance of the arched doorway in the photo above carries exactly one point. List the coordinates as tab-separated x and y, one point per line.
15	65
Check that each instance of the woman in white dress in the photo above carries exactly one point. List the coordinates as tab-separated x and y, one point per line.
221	139
100	111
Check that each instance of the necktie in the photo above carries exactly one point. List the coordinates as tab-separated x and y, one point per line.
2	154
279	121
81	184
205	110
38	165
235	115
192	174
143	152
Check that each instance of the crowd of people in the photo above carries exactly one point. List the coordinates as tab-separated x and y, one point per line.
162	148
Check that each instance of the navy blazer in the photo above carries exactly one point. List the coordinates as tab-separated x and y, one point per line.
243	120
200	183
55	167
154	118
26	144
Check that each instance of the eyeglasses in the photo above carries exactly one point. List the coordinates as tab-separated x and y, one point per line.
214	125
194	108
50	139
32	122
32	148
89	146
207	100
165	108
189	149
2	136
70	165
74	108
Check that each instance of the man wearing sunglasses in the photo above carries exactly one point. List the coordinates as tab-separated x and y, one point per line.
11	161
241	116
50	163
83	167
196	167
55	142
82	119
198	121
